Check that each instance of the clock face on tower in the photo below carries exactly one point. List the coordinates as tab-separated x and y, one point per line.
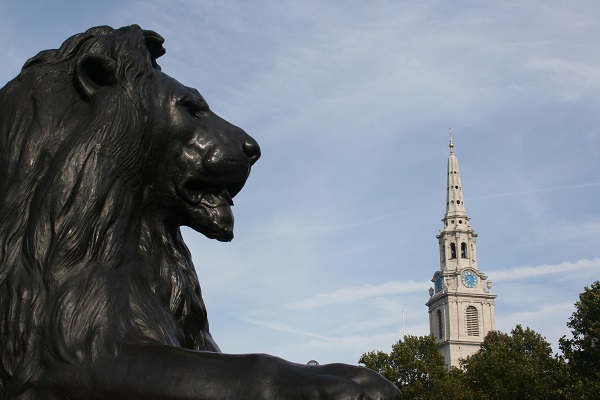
469	279
438	284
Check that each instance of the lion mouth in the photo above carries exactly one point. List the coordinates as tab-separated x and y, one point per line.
212	196
209	207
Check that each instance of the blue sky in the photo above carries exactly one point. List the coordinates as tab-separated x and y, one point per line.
351	102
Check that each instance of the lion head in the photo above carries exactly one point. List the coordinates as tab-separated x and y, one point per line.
102	158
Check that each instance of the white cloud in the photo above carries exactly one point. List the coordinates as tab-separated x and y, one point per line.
519	273
535	317
537	190
352	294
275	326
570	80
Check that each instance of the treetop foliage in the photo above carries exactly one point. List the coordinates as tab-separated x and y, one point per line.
582	350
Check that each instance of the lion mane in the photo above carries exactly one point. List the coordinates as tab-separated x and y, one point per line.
81	268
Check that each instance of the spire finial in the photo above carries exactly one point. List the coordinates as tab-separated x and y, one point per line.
451	143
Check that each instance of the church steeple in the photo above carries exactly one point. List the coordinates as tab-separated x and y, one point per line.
455	205
461	307
457	239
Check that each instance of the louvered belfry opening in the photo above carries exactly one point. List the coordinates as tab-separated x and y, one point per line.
472	321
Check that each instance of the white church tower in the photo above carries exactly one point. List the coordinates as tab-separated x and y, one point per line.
461	307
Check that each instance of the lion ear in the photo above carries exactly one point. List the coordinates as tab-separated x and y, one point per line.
94	72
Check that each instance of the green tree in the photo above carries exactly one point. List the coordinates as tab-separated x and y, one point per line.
515	366
416	366
583	350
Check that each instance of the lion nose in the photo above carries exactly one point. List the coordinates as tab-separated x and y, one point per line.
252	150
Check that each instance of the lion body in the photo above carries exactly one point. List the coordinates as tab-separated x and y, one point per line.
102	159
83	267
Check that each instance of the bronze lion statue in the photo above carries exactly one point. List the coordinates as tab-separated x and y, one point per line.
102	159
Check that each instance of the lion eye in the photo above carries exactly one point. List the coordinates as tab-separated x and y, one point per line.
194	108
